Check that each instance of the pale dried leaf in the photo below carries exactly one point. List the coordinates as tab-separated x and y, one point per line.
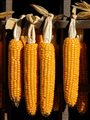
74	10
5	14
79	4
83	15
83	6
10	23
40	9
86	4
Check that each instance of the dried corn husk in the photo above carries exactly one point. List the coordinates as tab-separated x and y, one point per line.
45	13
83	15
40	9
5	14
85	7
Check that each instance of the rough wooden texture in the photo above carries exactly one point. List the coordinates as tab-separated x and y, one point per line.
8	6
84	24
66	7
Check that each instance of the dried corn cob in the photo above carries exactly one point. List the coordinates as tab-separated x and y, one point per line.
82	102
47	77
15	70
30	77
71	54
47	65
30	68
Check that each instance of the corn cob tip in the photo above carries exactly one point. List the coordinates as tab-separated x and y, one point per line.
16	104
45	114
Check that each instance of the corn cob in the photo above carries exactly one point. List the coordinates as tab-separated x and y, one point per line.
15	70
71	55
47	77
82	102
30	77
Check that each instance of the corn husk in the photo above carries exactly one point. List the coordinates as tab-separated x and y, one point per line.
40	9
5	14
83	15
85	10
45	12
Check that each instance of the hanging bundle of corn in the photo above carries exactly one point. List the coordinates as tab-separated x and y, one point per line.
47	64
82	102
15	49
47	69
30	69
71	55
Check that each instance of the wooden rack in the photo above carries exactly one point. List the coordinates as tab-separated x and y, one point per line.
82	24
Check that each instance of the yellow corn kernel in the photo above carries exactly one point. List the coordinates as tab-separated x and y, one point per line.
30	77
15	70
71	56
47	77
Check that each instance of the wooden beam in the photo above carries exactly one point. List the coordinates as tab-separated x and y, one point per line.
8	5
66	7
61	24
84	24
